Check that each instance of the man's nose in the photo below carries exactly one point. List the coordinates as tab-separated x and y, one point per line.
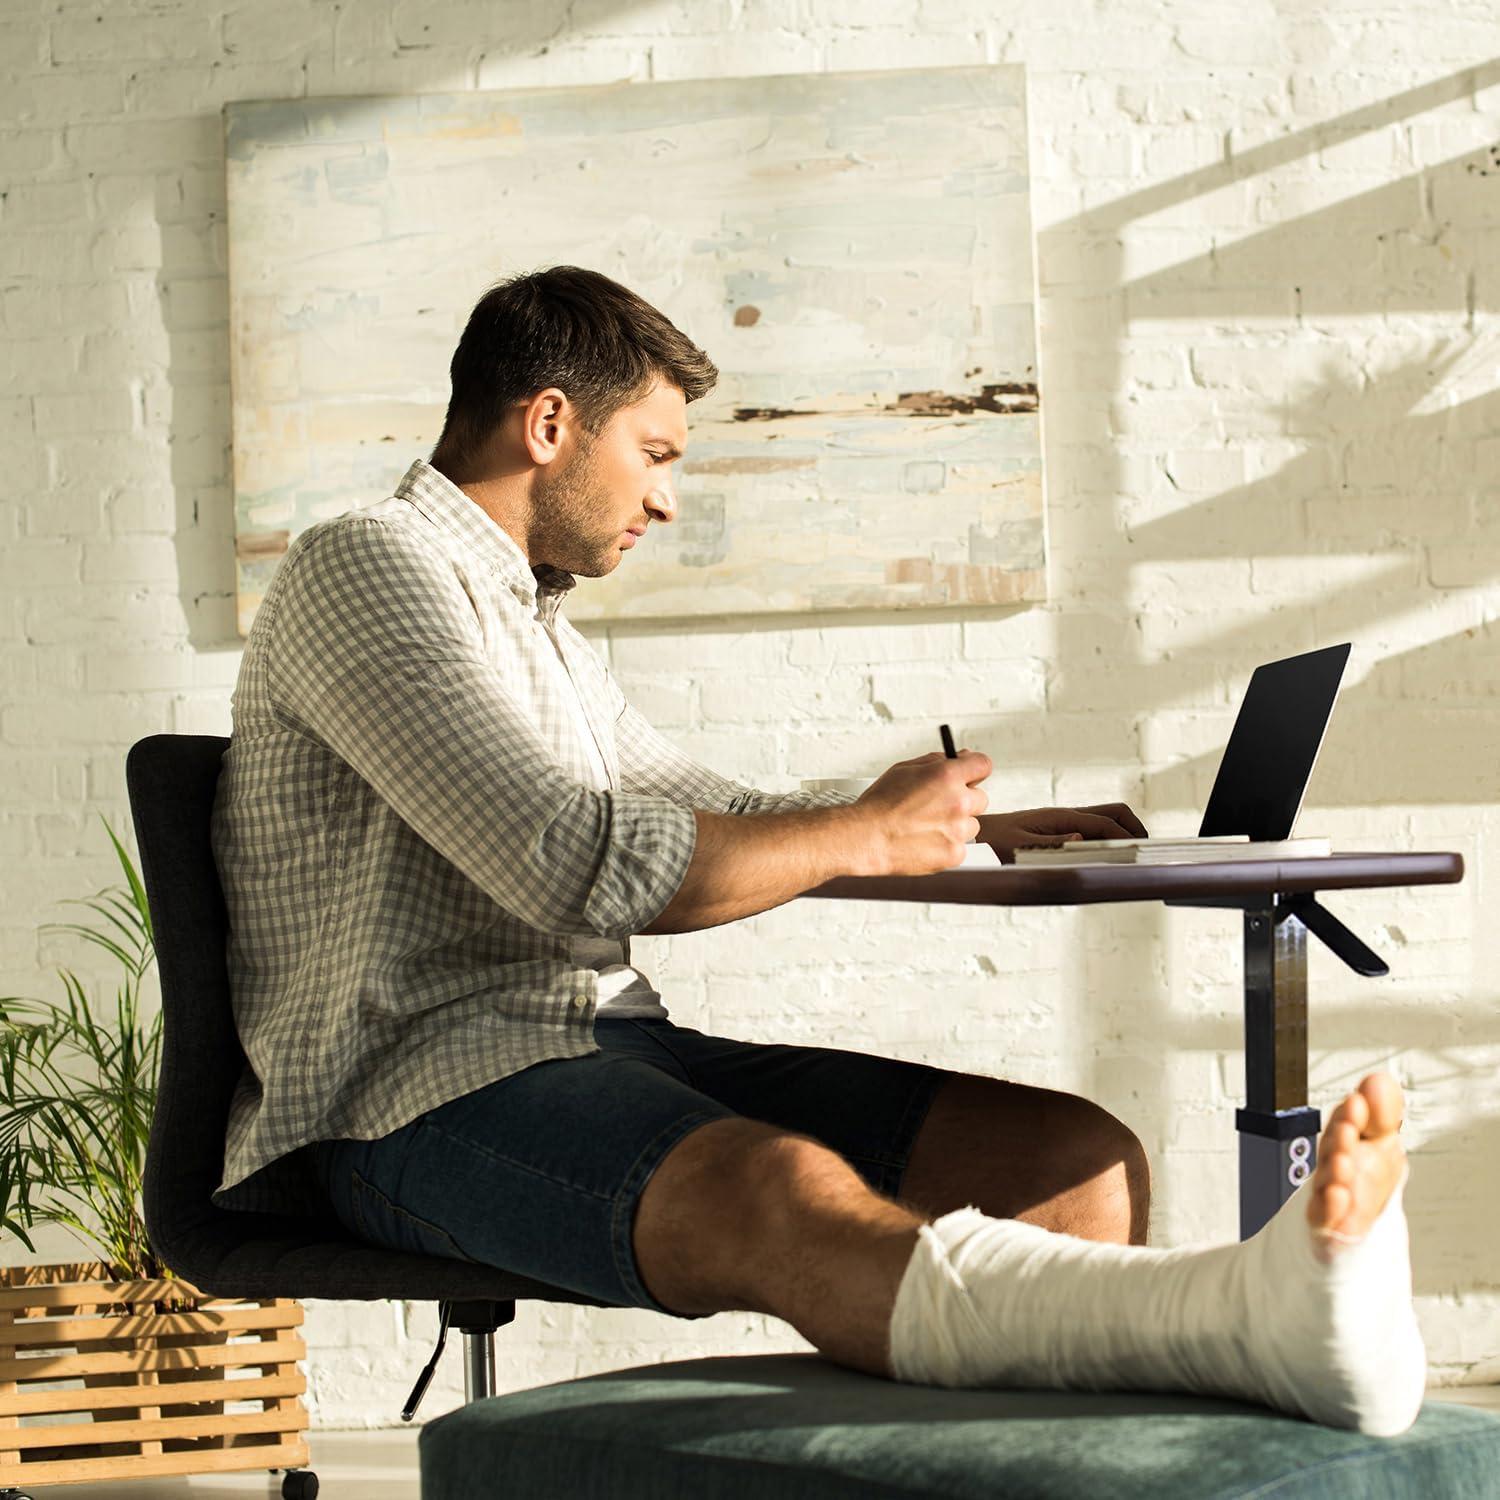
662	503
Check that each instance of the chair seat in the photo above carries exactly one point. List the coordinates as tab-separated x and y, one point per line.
798	1427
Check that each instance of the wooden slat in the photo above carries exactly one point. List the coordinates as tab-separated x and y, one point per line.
8	1424
202	1461
56	1270
81	1434
34	1333
66	1285
146	1416
72	1290
86	1294
196	1342
150	1414
106	1420
43	1367
182	1393
288	1409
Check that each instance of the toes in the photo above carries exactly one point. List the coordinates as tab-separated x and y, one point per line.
1337	1142
1384	1104
1330	1205
1355	1109
1332	1195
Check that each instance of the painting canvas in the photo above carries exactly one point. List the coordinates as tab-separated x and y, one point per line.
852	250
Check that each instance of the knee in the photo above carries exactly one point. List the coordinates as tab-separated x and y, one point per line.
781	1171
706	1213
786	1188
1109	1155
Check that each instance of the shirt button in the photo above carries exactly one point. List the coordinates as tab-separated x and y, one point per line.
579	1001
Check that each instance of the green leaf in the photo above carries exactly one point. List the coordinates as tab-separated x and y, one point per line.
100	938
80	1092
129	925
137	890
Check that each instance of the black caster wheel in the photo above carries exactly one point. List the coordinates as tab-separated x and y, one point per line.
14	1495
299	1484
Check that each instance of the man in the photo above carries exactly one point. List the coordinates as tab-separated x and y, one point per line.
440	822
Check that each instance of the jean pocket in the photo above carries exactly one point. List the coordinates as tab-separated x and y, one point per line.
384	1223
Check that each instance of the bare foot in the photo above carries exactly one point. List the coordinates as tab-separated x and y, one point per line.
1360	1161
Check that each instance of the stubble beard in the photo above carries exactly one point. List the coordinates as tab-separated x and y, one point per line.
572	505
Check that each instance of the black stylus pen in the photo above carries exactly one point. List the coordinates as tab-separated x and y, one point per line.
947	735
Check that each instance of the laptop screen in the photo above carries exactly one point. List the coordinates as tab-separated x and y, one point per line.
1273	745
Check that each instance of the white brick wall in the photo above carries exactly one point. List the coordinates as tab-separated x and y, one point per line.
1266	247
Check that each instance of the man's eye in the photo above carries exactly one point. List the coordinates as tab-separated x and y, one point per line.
659	457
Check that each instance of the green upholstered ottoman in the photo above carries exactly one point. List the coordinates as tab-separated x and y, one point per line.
799	1427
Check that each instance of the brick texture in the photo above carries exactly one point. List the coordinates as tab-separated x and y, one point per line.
1266	253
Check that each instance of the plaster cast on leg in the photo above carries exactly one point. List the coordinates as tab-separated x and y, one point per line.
995	1302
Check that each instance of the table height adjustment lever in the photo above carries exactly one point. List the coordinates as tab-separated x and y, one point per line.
1323	924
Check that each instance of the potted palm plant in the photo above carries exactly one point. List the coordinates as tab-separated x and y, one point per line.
119	1339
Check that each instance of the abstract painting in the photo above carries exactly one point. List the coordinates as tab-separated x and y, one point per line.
852	250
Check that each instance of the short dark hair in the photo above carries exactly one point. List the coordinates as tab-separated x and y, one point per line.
565	326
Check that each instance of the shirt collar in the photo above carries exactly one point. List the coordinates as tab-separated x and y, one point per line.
443	503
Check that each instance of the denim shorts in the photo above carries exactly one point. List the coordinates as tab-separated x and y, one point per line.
540	1172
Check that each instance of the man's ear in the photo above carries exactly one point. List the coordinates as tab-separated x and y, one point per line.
541	424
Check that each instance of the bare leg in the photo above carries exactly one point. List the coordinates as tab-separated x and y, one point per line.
742	1215
1018	1152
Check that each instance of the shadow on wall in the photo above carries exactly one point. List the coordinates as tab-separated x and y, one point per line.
1418	507
1391	493
1412	494
1451	1215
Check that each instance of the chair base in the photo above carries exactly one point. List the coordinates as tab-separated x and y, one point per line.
477	1321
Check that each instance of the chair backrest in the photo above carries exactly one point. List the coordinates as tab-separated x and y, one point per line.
171	780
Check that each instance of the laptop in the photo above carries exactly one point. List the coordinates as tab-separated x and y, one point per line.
1262	776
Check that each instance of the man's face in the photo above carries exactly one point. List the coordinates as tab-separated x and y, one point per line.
583	512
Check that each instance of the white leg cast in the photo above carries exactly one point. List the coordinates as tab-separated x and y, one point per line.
994	1302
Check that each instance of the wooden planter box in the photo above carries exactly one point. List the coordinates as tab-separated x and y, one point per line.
150	1367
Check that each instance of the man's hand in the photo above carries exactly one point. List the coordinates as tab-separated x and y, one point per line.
1051	826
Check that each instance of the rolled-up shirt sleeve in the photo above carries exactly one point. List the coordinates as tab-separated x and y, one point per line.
377	651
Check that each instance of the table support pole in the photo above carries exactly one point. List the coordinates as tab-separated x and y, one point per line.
1278	1129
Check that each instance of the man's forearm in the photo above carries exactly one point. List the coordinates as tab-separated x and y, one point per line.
743	864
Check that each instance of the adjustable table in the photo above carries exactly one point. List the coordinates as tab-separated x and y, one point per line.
1278	1129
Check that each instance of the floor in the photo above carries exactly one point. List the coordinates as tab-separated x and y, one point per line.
379	1465
382	1465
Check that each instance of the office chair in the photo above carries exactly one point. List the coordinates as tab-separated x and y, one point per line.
171	780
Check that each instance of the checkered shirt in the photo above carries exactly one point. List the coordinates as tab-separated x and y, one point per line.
408	831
